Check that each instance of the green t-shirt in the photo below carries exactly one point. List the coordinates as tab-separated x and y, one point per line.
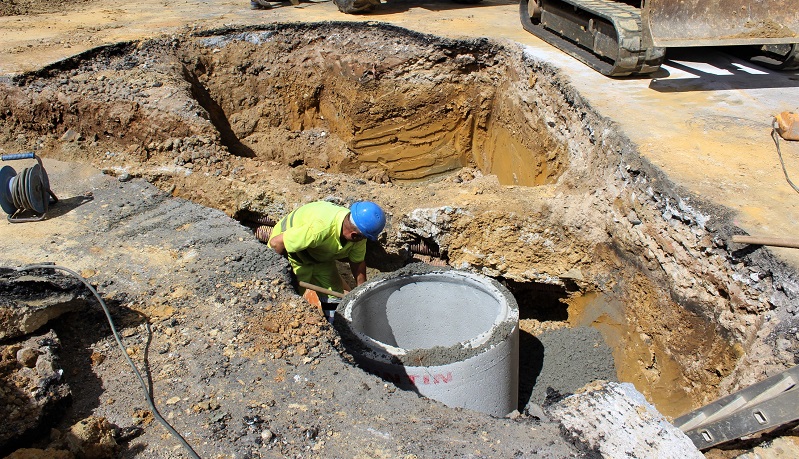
312	234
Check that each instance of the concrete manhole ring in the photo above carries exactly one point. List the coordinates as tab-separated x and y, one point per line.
450	335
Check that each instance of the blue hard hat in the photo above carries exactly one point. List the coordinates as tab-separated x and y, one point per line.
369	218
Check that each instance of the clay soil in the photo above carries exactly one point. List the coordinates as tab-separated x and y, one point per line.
491	162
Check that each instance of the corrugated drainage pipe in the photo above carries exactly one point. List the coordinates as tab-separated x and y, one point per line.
450	335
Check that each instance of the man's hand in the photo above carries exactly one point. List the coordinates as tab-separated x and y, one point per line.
277	244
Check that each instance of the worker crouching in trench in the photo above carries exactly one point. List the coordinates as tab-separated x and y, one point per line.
314	236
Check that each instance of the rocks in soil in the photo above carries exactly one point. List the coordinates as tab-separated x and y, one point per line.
90	438
779	447
37	453
300	175
29	300
31	385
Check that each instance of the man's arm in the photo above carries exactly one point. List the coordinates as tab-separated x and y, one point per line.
358	272
278	244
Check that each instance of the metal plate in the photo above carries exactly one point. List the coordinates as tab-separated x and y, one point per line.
6	174
777	411
675	23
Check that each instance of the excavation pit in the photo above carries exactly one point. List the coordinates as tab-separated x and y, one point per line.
483	152
449	335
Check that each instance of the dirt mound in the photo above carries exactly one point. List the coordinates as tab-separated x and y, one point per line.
24	7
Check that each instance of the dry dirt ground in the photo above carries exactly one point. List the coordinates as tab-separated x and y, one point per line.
477	151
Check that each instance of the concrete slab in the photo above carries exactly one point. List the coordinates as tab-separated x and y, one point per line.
705	119
617	422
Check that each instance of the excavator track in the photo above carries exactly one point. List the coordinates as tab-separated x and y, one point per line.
604	34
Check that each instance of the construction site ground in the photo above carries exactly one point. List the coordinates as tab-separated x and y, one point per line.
705	120
244	367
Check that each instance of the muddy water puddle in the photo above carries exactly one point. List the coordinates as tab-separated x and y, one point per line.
634	354
637	358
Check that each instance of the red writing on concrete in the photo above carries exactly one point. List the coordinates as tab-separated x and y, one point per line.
415	380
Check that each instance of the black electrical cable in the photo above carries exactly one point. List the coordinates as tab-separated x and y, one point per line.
157	415
776	138
19	194
20	186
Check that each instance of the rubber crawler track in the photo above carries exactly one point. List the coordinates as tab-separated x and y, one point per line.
632	57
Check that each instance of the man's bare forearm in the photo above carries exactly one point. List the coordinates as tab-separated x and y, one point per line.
358	272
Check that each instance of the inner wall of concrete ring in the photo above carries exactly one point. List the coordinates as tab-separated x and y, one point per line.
451	336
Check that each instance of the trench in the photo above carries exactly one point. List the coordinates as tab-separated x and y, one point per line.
485	160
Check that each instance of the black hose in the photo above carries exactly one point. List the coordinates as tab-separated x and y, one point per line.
157	415
776	138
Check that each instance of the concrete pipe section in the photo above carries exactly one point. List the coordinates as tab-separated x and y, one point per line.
449	335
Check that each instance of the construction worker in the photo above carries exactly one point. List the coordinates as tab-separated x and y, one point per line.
314	236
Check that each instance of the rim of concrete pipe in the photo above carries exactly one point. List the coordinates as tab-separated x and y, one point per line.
427	329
